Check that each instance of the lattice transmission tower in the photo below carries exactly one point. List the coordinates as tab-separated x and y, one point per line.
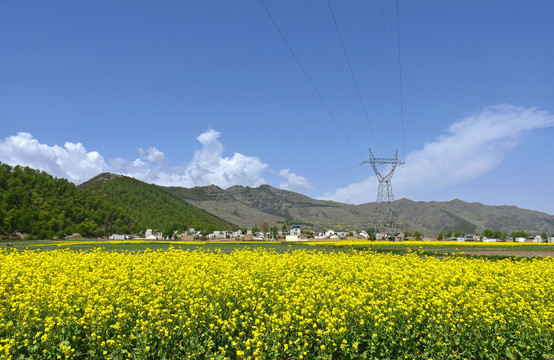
385	215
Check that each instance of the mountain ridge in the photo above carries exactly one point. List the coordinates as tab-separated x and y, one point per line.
248	206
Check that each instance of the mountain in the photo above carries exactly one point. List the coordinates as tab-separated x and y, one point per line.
37	205
247	207
41	206
151	206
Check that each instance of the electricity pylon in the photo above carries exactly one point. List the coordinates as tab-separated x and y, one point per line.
385	216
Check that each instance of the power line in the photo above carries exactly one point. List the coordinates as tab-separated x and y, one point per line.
342	87
400	73
387	52
308	77
352	73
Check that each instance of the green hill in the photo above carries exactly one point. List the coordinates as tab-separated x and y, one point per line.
152	206
38	205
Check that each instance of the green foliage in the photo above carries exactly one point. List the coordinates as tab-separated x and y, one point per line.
492	234
520	234
495	234
153	207
265	226
41	206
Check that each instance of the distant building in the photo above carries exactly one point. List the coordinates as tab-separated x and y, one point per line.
295	231
219	234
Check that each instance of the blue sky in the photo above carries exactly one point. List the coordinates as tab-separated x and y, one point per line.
198	92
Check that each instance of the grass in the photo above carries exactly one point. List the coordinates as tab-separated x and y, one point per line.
495	251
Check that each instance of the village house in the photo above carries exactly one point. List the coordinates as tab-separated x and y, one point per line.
342	234
293	234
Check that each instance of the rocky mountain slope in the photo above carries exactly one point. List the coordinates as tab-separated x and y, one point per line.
247	206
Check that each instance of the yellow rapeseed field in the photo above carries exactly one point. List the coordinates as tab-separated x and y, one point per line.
265	305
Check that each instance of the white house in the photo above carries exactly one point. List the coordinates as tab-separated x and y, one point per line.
236	234
342	234
150	235
295	231
329	233
220	234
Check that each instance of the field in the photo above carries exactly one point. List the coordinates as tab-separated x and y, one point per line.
493	251
274	301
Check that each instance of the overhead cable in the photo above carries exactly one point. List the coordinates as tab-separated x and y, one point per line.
352	73
400	73
308	77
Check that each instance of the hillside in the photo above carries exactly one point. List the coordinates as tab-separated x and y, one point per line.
37	205
151	206
247	206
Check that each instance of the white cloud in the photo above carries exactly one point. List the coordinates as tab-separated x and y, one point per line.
72	161
293	182
152	156
210	167
207	167
470	147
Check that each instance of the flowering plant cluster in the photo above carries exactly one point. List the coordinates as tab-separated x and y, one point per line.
265	305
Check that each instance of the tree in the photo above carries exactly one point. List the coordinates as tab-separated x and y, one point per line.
273	231
492	234
519	234
544	237
284	227
265	227
417	235
255	229
440	237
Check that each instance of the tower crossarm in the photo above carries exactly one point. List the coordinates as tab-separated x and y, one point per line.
393	161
